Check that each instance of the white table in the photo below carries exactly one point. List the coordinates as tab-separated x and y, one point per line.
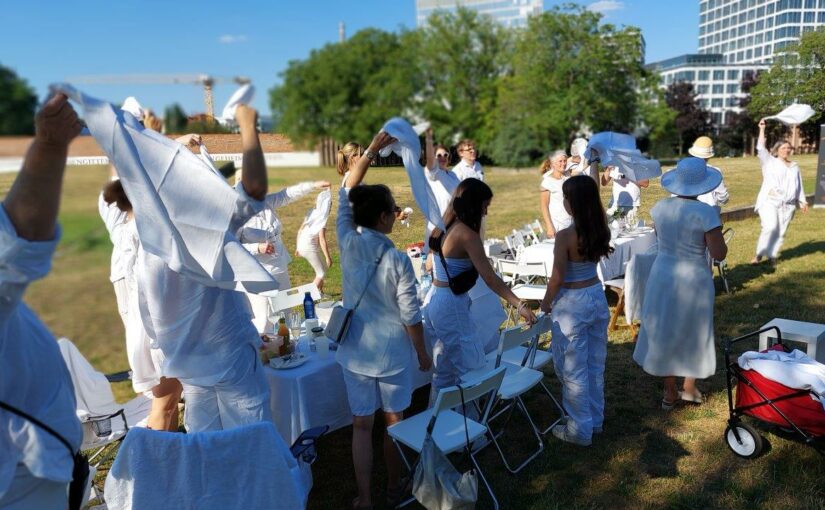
313	394
809	333
625	246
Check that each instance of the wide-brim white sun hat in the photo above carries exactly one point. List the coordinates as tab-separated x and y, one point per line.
691	177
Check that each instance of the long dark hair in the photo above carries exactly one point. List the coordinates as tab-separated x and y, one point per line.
369	201
467	205
589	218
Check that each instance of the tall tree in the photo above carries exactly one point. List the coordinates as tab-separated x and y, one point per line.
346	90
174	119
691	119
17	104
570	74
658	120
460	57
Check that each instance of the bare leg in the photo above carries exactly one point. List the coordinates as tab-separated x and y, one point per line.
391	456
319	282
671	394
164	412
689	386
362	457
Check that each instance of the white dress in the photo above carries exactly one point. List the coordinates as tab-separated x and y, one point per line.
676	337
558	214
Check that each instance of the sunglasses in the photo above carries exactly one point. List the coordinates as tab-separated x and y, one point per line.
442	155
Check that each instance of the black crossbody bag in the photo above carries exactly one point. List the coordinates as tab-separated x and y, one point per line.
80	472
462	282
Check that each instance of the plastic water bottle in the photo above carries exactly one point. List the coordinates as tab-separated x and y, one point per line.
426	279
309	307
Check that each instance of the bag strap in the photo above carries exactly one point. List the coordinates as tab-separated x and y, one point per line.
467	446
374	270
26	416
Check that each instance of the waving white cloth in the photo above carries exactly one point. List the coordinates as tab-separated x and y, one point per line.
793	369
618	149
316	219
132	106
794	114
186	214
207	158
409	148
241	96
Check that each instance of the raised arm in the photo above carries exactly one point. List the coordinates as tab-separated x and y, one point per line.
475	249
761	150
253	176
288	195
34	198
429	149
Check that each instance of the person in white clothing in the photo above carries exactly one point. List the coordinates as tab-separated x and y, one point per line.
703	148
576	163
35	466
627	194
468	166
553	212
385	332
113	218
144	361
311	242
205	332
781	193
262	237
441	179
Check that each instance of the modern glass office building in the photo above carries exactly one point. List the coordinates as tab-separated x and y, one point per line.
736	38
753	31
510	13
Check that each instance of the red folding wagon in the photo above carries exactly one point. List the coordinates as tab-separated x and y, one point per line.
791	410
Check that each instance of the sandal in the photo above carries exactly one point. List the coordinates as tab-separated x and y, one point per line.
697	398
667	405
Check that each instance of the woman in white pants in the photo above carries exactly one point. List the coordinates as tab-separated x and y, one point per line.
780	194
311	242
579	311
261	236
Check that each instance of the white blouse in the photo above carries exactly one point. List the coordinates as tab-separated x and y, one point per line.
781	184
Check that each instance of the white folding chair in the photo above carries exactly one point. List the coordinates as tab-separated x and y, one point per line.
518	235
280	300
539	231
528	232
446	426
517	381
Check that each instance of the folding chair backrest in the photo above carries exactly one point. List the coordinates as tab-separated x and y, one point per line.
450	397
518	238
728	235
290	298
532	269
513	337
536	226
507	267
544	324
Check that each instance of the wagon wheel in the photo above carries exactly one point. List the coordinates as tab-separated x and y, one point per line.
749	444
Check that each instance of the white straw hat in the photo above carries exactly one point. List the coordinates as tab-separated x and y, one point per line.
691	177
702	148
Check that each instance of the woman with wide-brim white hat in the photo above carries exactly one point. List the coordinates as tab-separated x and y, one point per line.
676	338
780	194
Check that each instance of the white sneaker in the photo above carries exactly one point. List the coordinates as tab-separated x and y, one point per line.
560	431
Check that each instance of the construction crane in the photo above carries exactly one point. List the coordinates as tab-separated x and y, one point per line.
204	80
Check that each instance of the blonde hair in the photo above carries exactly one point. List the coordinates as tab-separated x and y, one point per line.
547	164
344	155
777	145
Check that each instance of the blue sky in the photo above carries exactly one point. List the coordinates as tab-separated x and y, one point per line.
51	40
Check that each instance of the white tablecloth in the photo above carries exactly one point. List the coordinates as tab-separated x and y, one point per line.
625	246
313	395
635	280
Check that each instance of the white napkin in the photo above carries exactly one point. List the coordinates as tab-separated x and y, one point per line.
794	114
132	106
243	95
409	148
619	149
185	213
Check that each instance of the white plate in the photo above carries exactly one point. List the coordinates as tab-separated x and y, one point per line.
296	360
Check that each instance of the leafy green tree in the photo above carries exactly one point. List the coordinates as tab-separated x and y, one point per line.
17	104
460	57
346	90
659	121
174	119
570	74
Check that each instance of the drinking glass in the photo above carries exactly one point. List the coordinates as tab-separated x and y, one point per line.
293	322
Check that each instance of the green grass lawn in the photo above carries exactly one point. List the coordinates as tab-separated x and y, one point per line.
644	459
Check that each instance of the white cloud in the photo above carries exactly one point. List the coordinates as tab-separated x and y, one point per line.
231	39
604	6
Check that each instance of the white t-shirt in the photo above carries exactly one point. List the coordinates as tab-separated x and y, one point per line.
113	218
626	193
464	171
558	214
443	183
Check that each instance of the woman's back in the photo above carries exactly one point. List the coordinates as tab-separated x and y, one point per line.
681	225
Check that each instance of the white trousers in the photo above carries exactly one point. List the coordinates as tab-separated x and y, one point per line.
28	492
458	349
260	304
313	254
122	297
580	318
240	399
775	221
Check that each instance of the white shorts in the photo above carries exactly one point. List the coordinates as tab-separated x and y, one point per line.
366	394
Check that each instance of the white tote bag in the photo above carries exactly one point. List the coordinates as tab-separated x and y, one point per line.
437	484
